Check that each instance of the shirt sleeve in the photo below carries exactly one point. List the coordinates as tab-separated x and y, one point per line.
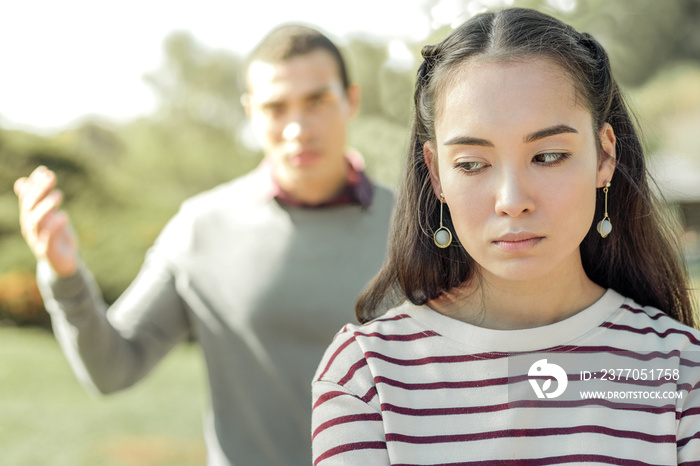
347	425
111	348
688	409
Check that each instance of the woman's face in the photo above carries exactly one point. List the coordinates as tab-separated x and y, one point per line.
515	155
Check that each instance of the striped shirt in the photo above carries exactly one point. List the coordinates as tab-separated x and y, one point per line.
616	386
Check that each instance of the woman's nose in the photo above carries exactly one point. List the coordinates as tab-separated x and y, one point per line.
513	196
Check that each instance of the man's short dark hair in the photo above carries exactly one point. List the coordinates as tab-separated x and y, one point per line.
293	40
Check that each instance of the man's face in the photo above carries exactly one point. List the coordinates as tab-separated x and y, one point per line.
299	112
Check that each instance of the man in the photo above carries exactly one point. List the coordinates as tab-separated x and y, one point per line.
262	271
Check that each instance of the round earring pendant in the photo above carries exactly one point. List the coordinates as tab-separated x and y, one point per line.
442	237
604	227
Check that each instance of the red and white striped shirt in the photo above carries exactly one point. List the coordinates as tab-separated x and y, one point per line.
415	387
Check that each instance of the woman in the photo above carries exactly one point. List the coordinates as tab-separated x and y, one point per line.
536	286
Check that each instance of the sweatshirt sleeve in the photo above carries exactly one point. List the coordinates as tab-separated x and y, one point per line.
111	348
688	408
347	423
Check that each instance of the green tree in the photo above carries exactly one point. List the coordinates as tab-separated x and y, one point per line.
197	85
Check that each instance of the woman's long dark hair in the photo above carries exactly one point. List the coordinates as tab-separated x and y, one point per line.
641	259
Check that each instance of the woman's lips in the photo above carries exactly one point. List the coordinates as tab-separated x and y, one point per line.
517	242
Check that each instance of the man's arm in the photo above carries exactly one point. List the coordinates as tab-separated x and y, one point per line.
108	349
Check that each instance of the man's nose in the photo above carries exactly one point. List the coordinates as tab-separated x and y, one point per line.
291	131
297	127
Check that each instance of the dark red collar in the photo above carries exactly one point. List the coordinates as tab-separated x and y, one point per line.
358	190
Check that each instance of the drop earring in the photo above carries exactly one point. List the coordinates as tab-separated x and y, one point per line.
605	226
442	236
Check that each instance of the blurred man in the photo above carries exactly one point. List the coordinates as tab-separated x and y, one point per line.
261	271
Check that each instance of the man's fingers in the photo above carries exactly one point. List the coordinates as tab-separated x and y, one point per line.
18	186
56	222
52	227
46	229
47	206
58	244
24	184
39	183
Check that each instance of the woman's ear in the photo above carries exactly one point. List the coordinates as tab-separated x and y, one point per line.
608	157
431	160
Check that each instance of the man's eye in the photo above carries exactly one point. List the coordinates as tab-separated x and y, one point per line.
317	101
274	109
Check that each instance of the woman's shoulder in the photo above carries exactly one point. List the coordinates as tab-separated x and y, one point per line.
397	319
354	344
641	320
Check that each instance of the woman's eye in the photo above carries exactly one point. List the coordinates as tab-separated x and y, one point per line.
470	167
551	158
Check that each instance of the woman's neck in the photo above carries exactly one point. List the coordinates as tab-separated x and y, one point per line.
491	302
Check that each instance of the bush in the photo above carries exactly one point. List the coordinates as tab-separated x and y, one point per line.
20	301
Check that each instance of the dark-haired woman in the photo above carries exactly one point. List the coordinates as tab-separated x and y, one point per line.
541	307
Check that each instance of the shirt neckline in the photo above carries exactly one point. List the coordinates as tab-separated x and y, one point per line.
532	339
359	189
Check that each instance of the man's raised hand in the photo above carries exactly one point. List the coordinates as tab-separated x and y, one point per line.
45	228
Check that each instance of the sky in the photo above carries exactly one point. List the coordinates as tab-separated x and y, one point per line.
64	60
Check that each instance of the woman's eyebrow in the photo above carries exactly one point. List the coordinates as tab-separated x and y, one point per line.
551	131
468	141
532	137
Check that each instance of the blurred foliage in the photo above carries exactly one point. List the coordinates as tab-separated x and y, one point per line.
20	301
380	131
123	182
668	106
641	36
198	87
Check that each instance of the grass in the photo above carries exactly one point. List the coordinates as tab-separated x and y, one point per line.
46	417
